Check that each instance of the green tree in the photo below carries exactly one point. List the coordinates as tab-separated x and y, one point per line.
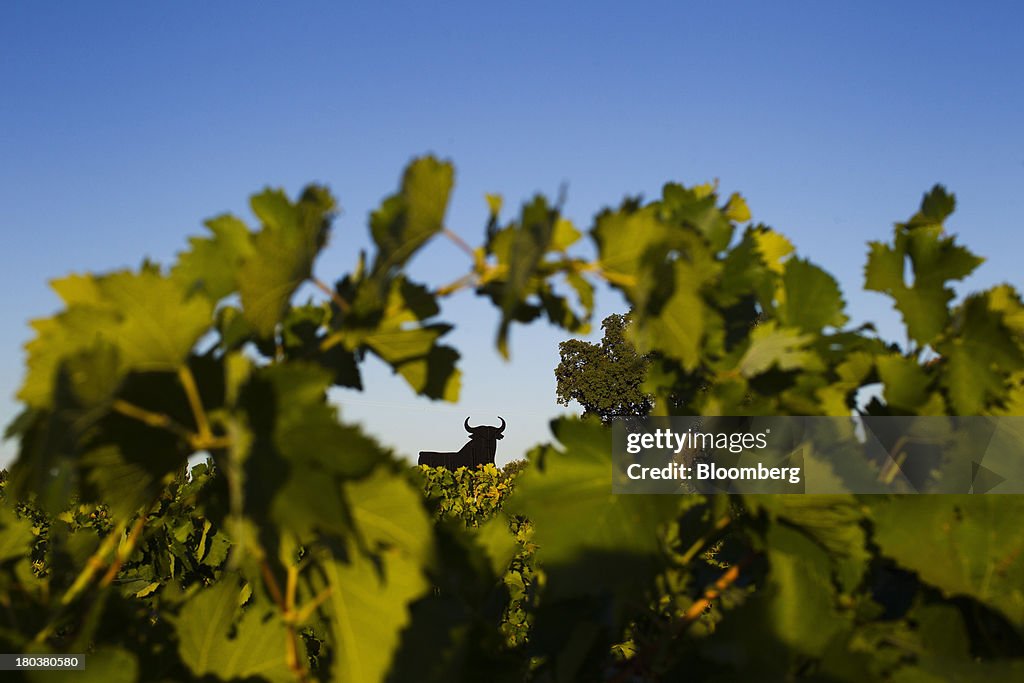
607	378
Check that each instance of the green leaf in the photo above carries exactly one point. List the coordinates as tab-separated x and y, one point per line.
884	269
936	205
212	264
799	609
589	539
790	620
907	384
584	291
736	209
565	235
147	320
16	537
981	358
774	248
434	375
406	220
679	327
628	242
400	338
306	428
962	545
783	348
696	208
498	543
395	345
283	253
934	261
527	242
369	600
834	522
213	639
812	298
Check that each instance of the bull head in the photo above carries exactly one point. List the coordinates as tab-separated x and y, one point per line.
485	429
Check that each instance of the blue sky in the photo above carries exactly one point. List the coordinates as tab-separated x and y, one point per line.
122	126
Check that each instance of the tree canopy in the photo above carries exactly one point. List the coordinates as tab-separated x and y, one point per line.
606	379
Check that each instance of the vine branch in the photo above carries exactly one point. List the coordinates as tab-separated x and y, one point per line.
331	292
188	381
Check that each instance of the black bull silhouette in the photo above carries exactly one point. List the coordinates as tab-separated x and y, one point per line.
479	450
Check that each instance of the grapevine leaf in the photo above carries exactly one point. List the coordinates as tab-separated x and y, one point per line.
736	209
212	263
369	600
981	357
149	319
679	327
783	348
306	428
774	248
396	345
589	540
745	271
934	261
16	537
627	241
962	545
696	207
398	335
434	375
565	235
527	242
812	298
283	253
834	522
584	291
294	453
212	639
799	607
790	618
936	206
884	269
907	384
406	220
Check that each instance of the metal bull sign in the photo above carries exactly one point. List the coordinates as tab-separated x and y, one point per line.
483	442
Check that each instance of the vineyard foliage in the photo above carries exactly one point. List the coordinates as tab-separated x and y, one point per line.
307	551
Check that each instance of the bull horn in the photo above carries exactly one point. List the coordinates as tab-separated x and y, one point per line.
468	428
502	428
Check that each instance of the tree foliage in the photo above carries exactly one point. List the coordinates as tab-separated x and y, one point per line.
306	551
606	379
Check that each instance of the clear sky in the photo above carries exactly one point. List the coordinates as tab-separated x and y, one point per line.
123	125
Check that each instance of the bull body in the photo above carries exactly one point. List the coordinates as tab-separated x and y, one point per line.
479	450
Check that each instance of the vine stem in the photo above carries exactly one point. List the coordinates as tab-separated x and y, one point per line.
713	592
455	286
460	243
92	566
286	603
125	551
188	381
158	420
198	442
331	292
96	562
271	581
